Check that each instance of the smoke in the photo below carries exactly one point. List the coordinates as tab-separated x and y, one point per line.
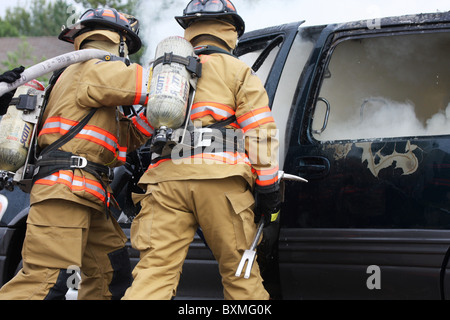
157	16
439	123
384	118
157	22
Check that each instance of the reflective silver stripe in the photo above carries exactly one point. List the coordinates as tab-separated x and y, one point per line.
143	98
90	133
87	185
81	184
148	129
122	155
217	111
141	86
268	177
100	136
52	125
254	119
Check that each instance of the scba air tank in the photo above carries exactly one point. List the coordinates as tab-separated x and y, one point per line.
170	84
15	132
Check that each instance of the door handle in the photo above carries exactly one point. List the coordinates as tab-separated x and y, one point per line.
313	167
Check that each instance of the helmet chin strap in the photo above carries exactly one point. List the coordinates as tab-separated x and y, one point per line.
122	46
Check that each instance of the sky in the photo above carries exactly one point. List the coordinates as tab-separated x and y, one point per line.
314	12
273	12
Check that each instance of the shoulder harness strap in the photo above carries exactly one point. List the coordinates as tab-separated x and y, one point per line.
209	49
192	64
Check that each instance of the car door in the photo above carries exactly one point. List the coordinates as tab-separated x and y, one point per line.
370	132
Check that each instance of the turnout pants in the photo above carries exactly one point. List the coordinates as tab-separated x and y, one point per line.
61	237
170	215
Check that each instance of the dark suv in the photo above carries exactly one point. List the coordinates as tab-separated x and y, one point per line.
363	111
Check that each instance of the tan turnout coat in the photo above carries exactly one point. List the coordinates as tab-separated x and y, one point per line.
105	139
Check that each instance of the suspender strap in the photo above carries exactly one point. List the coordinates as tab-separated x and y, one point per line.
69	135
222	124
52	160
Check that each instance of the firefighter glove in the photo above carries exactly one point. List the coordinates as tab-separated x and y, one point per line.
9	77
268	205
12	75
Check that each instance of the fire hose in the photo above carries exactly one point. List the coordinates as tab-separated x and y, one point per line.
52	65
18	126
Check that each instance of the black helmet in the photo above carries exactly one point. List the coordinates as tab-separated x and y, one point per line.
109	19
205	9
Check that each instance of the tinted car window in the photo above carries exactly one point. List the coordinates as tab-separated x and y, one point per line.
387	86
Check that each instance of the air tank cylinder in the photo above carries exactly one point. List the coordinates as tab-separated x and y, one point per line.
15	132
169	85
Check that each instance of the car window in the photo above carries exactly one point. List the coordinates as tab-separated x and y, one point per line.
295	63
385	86
251	52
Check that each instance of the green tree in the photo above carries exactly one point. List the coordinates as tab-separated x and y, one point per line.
42	19
18	58
128	6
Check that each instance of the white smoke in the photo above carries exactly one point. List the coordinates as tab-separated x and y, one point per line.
385	118
157	16
439	123
157	22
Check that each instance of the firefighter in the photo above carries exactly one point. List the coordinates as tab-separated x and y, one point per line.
211	188
69	226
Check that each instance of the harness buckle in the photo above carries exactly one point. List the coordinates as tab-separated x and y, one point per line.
78	162
110	174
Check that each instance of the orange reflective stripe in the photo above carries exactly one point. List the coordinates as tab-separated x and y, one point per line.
255	118
142	124
230	5
267	177
96	141
57	125
267	171
266	182
154	165
141	96
217	110
74	183
122	154
229	158
109	13
122	17
90	133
